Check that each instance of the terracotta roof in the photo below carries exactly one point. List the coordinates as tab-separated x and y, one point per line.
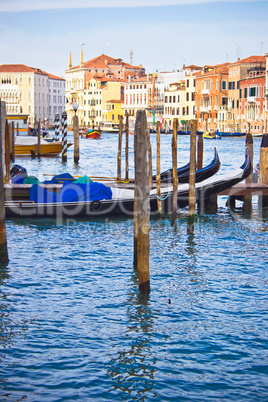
251	59
20	68
54	77
193	67
103	61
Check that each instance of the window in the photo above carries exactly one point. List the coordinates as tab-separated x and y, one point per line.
187	83
223	85
187	96
245	92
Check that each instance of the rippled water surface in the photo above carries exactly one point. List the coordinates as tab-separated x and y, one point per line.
75	328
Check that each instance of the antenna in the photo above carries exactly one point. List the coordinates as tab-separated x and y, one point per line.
261	46
131	56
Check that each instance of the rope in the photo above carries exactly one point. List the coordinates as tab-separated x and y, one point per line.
162	199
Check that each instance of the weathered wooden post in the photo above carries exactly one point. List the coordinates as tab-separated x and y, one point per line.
119	152
127	145
263	199
247	204
64	136
7	153
57	127
174	174
192	197
3	237
12	142
76	137
39	139
150	162
142	195
200	147
158	177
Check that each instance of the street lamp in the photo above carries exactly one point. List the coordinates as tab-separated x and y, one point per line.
75	107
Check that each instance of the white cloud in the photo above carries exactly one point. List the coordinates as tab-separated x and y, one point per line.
34	5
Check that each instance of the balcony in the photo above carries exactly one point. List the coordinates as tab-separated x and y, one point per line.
204	109
251	99
205	91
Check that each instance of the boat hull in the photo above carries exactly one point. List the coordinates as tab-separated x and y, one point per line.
94	134
49	149
124	206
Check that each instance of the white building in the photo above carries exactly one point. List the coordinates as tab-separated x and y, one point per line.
26	92
56	97
180	102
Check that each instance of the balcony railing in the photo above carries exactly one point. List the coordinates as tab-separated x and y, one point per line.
251	99
205	91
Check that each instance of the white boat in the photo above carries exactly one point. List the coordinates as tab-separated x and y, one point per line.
110	127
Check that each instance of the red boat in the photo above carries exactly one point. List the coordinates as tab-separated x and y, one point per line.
94	134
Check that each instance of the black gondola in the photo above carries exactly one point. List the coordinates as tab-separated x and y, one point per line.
123	199
183	173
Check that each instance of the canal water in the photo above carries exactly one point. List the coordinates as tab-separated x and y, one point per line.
75	328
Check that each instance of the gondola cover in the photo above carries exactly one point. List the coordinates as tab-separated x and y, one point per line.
71	192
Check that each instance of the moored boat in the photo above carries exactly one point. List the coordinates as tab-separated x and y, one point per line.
93	134
211	136
26	145
184	171
119	199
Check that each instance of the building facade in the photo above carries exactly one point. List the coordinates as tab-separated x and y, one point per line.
26	92
102	69
56	95
239	71
180	102
212	97
252	102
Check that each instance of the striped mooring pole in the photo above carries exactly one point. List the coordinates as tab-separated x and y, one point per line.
64	136
57	127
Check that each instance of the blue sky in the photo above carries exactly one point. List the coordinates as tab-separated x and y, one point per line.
164	35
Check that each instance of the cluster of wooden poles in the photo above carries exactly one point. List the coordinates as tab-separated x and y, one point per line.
143	184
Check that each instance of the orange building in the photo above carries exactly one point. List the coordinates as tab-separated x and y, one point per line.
238	71
252	101
212	97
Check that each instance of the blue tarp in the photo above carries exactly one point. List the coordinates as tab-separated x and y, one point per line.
71	192
60	178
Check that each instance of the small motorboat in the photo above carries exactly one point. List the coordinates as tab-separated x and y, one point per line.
93	134
211	136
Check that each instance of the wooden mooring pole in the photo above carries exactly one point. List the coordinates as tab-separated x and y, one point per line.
39	139
150	162
3	237
200	148
158	167
12	143
174	174
142	196
247	204
192	197
76	138
127	145
263	199
7	153
119	152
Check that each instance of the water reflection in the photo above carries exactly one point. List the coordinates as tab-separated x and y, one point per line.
132	370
